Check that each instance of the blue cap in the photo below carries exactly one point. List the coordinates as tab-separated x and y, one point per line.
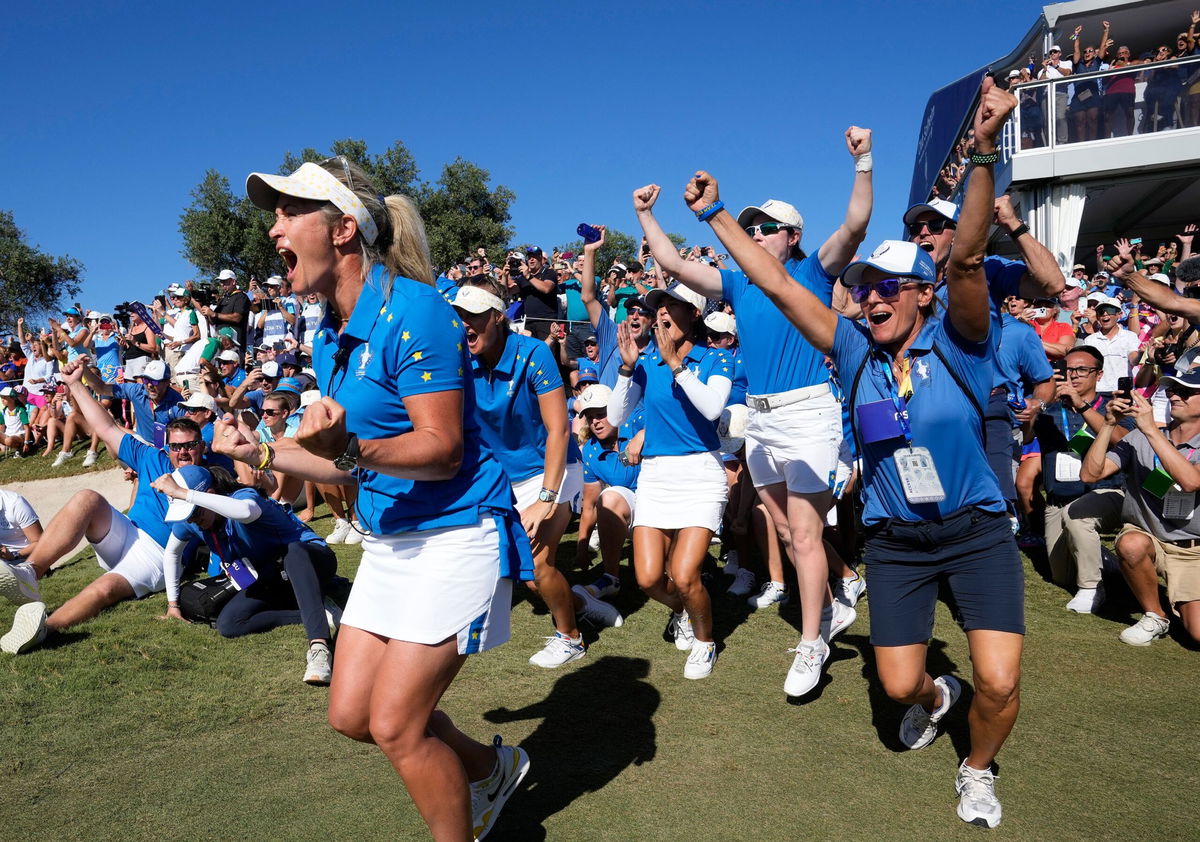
193	478
288	384
72	311
895	258
589	372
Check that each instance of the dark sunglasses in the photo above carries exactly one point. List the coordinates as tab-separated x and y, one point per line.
179	446
935	226
641	311
272	412
146	381
1182	391
767	228
887	288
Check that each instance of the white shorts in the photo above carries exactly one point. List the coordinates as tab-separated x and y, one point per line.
629	496
132	554
426	587
526	491
796	444
675	492
845	468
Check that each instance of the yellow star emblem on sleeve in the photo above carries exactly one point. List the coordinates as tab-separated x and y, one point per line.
426	376
454	323
404	337
460	346
383	309
417	355
389	318
460	371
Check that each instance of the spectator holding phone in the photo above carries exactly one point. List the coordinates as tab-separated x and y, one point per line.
1119	346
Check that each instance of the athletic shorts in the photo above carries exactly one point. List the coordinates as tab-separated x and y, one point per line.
797	444
677	492
972	552
570	491
428	586
132	554
628	495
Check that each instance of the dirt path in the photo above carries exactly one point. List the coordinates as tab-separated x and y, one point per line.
47	496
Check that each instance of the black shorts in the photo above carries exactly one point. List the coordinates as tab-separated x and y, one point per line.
972	552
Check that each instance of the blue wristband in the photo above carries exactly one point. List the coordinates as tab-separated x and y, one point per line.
709	212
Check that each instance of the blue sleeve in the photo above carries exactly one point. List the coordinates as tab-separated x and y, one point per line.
817	279
125	391
1003	277
1034	366
638	422
131	451
717	364
588	476
733	285
186	531
606	333
428	359
850	347
542	370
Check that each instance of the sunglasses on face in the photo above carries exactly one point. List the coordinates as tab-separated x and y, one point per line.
767	228
638	311
180	446
887	288
146	381
1181	391
272	412
935	226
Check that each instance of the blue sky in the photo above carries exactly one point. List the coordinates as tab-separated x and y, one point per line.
117	109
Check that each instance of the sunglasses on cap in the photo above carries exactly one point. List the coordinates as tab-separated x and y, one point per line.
180	446
887	288
935	226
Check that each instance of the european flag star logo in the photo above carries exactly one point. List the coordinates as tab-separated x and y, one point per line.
404	337
454	323
417	355
389	318
427	377
460	371
460	348
383	309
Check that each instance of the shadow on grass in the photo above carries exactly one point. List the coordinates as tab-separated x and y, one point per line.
59	639
571	755
887	714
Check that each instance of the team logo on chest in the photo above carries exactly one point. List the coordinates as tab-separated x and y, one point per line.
364	359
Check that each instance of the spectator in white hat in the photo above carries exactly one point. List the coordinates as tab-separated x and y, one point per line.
1119	346
794	432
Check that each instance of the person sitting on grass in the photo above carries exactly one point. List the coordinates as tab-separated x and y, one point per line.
281	568
128	547
17	437
20	528
1162	530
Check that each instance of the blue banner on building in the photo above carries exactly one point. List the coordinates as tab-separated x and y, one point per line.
947	115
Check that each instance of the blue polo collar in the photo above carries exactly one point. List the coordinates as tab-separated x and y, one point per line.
507	363
367	310
693	356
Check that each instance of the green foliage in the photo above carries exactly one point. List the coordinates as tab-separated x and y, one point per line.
31	282
221	231
461	211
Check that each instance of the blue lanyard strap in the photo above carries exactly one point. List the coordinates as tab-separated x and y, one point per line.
894	394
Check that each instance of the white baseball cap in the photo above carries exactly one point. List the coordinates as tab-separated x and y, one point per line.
477	300
732	427
897	258
654	298
719	322
226	275
595	396
1099	300
274	281
156	370
200	400
311	181
778	210
942	207
270	369
229	356
1160	278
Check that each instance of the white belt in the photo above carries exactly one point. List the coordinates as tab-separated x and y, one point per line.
765	403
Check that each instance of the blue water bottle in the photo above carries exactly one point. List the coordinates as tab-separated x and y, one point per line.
589	233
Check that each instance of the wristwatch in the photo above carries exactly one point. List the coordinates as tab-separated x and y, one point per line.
348	461
547	495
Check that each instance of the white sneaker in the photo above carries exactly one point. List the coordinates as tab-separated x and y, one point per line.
919	727
90	458
318	668
977	801
1086	600
333	616
700	661
605	586
341	528
489	795
559	650
771	593
806	668
1146	630
28	629
743	583
850	589
355	534
61	459
836	617
19	582
596	612
680	628
594	541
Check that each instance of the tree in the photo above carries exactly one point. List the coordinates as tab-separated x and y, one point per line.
618	247
31	282
395	171
222	232
462	214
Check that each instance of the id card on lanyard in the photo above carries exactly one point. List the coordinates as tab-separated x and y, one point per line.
914	465
240	571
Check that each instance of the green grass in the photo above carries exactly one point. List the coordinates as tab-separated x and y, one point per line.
134	728
30	468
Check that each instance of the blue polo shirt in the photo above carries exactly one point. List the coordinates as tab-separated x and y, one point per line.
737	394
777	356
941	416
1021	358
673	426
600	464
264	540
506	404
210	458
411	342
149	507
145	416
606	345
236	379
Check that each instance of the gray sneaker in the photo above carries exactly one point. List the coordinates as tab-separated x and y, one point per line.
318	669
919	727
977	801
19	582
597	612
